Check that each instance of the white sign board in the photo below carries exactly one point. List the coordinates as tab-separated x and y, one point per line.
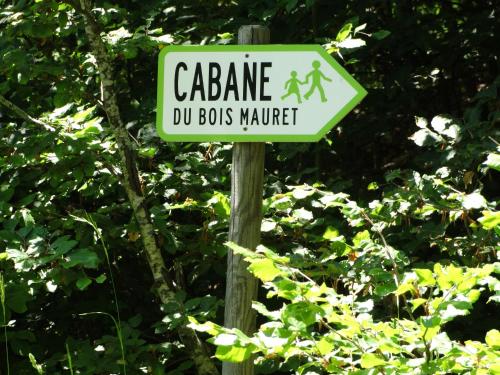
251	93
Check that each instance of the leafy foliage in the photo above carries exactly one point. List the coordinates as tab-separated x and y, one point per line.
382	239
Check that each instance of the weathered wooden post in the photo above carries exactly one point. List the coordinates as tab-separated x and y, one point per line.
247	177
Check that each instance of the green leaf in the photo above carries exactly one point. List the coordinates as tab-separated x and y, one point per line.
168	38
474	200
84	115
490	219
325	346
130	51
83	283
416	303
381	34
425	137
243	251
267	225
91	128
344	32
359	237
226	35
273	340
220	204
82	257
454	309
208	327
404	288
430	321
225	339
360	28
282	203
234	353
421	122
17	296
301	315
265	269
439	123
147	152
262	309
276	258
100	279
493	161
331	233
351	43
291	4
302	215
302	192
39	368
61	111
370	360
452	132
493	338
425	277
6	192
21	259
62	245
27	217
115	36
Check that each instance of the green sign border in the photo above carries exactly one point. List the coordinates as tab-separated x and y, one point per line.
360	94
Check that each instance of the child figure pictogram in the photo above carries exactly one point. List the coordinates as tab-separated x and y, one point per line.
316	76
293	86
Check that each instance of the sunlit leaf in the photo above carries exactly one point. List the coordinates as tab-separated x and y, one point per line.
370	360
265	269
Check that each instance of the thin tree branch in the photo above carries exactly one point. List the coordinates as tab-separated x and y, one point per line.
22	114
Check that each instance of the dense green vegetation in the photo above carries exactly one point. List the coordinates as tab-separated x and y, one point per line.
380	242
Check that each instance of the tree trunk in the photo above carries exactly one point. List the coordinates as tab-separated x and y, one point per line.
164	285
247	177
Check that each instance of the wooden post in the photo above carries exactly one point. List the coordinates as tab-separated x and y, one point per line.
247	177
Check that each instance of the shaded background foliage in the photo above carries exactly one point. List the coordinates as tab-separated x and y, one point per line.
422	58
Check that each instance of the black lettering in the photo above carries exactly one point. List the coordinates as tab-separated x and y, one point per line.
231	84
249	81
212	116
244	116
265	116
177	116
187	116
229	119
276	116
213	80
198	83
285	115
294	110
255	117
179	97
264	79
203	117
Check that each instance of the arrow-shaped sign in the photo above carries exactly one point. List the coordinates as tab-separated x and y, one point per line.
251	93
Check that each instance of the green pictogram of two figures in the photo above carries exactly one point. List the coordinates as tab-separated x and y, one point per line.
292	85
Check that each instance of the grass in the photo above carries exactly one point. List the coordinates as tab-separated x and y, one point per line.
70	361
4	324
118	323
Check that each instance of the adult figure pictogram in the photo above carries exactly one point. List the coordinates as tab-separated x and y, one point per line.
316	76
